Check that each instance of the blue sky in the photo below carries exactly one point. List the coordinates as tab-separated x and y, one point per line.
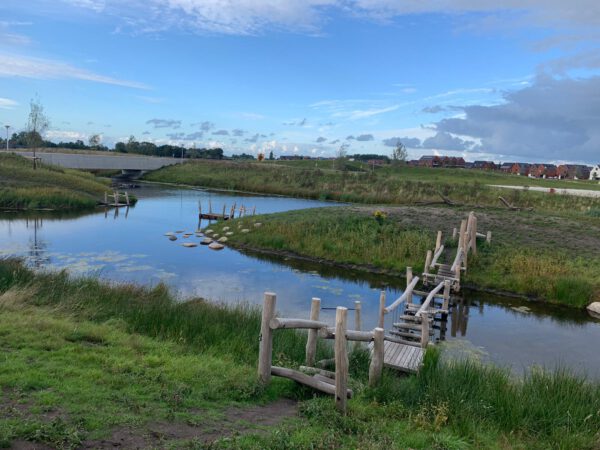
504	80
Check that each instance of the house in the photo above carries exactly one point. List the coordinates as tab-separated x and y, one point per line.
376	162
507	167
429	161
573	171
543	171
484	165
595	173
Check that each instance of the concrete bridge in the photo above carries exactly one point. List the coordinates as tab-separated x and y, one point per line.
97	161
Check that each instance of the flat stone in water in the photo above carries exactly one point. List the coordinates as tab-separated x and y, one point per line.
169	233
216	246
206	241
172	237
180	231
190	244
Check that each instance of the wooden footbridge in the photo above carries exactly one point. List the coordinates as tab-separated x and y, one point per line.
226	214
416	316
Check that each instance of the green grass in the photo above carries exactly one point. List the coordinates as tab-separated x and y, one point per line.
389	185
548	257
80	358
47	187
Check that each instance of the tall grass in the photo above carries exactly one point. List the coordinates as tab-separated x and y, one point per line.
229	331
389	186
22	187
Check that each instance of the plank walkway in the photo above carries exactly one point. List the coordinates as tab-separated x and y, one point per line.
406	358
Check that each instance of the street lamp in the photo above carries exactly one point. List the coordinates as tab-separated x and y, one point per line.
7	127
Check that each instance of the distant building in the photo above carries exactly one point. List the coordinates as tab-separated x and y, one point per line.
595	172
376	162
507	167
574	171
484	165
441	161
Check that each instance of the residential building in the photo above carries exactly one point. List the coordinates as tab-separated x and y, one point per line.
595	173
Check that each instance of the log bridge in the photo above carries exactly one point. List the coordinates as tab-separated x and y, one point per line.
401	349
117	198
225	214
436	271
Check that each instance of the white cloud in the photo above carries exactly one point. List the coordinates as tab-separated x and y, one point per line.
61	135
7	103
27	67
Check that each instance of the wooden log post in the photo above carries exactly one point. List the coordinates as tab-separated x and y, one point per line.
341	359
223	211
454	231
311	340
409	278
424	330
376	367
381	321
428	261
232	211
254	210
488	237
357	322
473	237
116	197
105	198
438	240
209	205
127	198
463	237
265	349
446	301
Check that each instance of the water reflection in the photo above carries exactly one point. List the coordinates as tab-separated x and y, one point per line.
128	244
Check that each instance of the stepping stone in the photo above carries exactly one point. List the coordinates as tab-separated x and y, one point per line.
180	231
216	246
594	310
222	239
172	237
186	236
190	244
169	233
206	241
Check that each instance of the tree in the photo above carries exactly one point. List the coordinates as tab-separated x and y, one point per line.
399	154
94	140
340	157
271	156
37	124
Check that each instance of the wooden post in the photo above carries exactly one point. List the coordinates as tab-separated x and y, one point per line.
127	198
488	238
438	240
409	277
446	301
454	231
209	205
223	211
381	322
428	261
254	210
357	321
232	211
199	211
473	236
424	330
105	198
376	366
341	359
116	197
462	238
265	348
311	340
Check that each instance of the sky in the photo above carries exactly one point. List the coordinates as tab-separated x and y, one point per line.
506	80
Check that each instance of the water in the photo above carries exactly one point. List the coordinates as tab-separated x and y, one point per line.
131	246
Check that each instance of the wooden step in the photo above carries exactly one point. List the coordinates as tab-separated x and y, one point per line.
405	342
407	326
404	334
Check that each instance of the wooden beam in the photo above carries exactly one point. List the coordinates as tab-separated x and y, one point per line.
265	348
313	370
401	299
277	323
351	335
438	240
409	278
307	380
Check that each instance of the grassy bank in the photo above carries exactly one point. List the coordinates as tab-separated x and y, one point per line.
47	187
82	362
545	256
390	185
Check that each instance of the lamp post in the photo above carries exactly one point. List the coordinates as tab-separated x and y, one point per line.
7	127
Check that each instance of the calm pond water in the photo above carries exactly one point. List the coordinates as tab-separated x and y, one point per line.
123	246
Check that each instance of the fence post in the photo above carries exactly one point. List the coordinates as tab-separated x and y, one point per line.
341	359
438	240
381	309
428	261
105	198
446	301
265	347
311	340
424	330
357	322
474	235
376	366
488	238
409	277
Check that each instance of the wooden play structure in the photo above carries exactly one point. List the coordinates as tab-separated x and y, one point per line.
225	214
117	198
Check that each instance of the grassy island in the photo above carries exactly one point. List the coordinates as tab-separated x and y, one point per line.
47	187
88	364
550	257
